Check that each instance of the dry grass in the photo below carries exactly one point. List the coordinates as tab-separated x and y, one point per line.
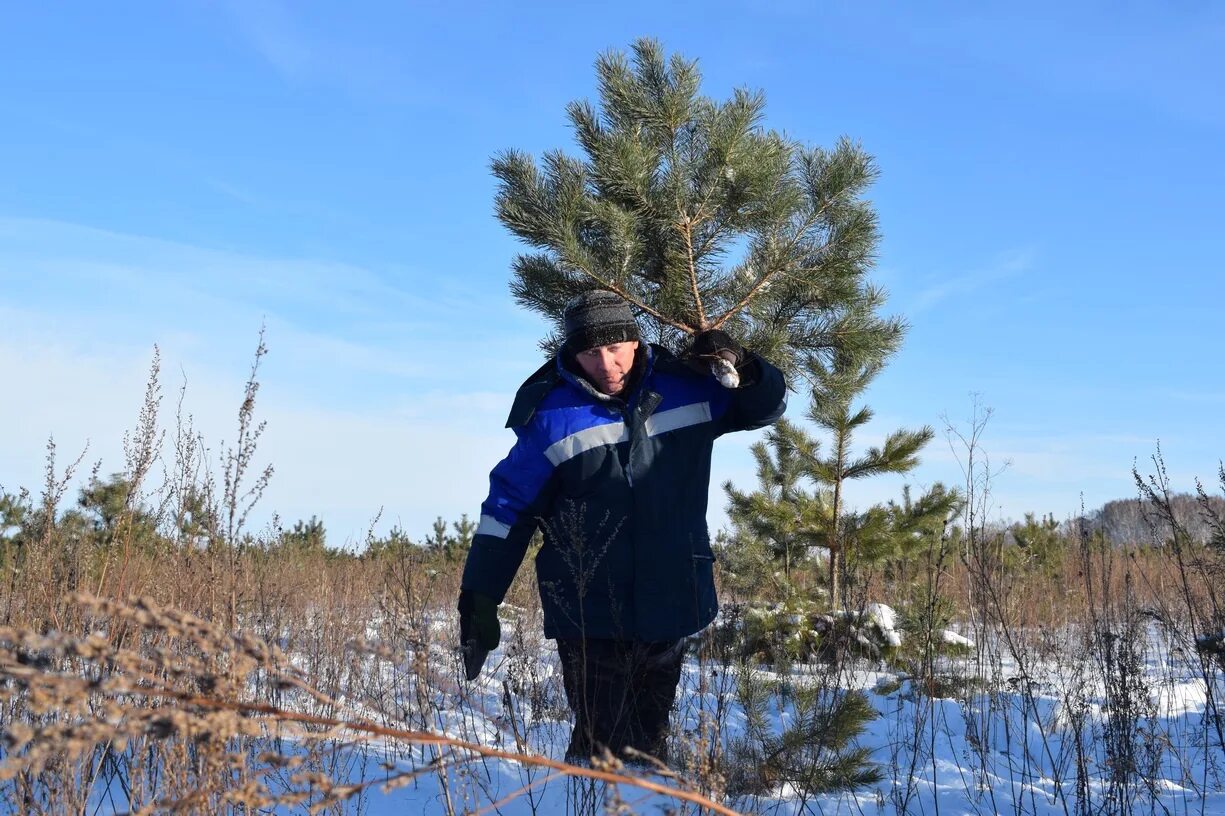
191	701
157	698
168	658
157	656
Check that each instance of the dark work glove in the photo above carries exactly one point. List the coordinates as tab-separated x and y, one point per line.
716	343
479	630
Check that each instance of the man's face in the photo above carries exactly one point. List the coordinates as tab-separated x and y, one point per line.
608	366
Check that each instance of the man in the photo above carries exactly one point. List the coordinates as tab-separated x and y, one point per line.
612	463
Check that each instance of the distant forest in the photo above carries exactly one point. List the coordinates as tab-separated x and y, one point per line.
1127	521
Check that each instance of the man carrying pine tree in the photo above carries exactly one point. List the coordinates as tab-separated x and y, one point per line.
612	463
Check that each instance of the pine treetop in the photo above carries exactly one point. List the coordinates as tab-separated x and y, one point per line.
699	216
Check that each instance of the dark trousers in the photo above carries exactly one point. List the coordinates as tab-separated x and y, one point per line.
621	693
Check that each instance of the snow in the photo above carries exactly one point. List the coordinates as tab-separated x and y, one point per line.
1179	698
953	639
885	619
982	754
1005	736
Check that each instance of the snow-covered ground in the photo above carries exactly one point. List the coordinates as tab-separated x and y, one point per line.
1049	739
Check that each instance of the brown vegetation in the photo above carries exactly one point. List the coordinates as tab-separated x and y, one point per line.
120	669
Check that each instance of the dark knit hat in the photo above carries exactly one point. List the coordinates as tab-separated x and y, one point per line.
598	318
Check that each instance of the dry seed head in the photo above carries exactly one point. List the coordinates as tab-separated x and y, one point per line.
253	795
277	760
17	736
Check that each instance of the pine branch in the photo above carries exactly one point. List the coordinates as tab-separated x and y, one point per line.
687	232
764	280
633	301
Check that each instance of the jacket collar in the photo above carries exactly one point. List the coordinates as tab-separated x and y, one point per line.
542	381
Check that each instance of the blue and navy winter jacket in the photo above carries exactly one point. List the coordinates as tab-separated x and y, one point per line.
619	489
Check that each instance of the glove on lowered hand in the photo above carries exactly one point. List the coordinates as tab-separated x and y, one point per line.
479	630
714	345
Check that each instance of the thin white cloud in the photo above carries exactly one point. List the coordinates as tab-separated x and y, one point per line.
377	391
272	32
945	287
367	408
101	258
340	464
413	462
326	315
302	54
239	194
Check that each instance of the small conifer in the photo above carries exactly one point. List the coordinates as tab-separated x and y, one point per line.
699	216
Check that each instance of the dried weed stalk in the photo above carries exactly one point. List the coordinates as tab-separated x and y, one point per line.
178	708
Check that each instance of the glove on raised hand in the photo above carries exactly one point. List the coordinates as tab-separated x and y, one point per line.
479	630
715	344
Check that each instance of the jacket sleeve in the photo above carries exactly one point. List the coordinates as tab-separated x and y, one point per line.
759	404
518	490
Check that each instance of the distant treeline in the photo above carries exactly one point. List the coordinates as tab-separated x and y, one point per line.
1126	521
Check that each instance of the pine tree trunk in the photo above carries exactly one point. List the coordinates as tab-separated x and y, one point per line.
835	543
835	577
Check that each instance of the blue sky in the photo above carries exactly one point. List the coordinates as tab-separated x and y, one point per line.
177	173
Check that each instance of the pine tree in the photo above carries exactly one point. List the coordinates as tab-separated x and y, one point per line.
450	547
813	751
115	512
304	537
1039	544
436	540
459	544
916	526
835	389
699	216
781	512
795	518
15	511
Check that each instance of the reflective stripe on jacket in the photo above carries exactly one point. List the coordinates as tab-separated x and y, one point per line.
619	489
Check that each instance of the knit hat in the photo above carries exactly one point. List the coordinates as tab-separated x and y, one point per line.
598	318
